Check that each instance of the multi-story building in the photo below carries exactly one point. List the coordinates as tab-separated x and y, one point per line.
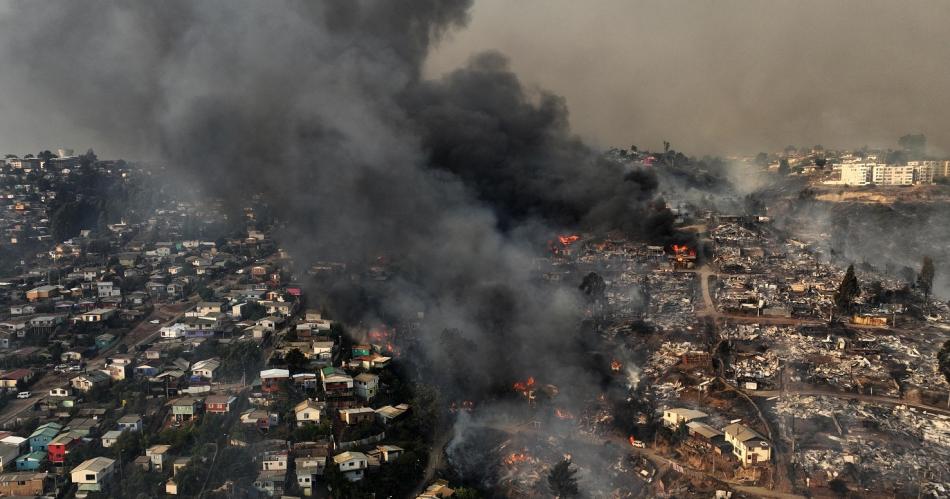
924	171
893	175
914	172
857	173
749	446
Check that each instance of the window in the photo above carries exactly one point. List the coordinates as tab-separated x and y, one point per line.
90	477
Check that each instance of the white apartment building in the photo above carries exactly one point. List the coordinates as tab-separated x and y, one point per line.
858	173
893	175
915	172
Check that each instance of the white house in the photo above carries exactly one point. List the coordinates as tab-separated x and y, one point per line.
205	368
389	453
673	417
321	350
308	411
97	315
131	422
93	475
106	289
273	461
366	385
59	392
269	323
209	308
352	464
174	331
110	437
748	445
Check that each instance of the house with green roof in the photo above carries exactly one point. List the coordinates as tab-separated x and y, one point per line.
31	462
42	436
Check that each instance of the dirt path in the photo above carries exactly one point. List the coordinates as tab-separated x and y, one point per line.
857	396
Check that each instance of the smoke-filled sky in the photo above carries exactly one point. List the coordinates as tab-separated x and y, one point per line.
712	77
728	76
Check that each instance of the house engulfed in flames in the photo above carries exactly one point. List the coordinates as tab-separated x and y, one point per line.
563	245
526	388
683	257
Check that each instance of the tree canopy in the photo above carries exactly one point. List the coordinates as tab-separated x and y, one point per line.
925	280
848	290
562	480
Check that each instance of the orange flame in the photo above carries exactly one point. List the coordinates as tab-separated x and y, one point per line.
615	365
524	386
683	250
379	335
517	458
563	414
568	240
632	440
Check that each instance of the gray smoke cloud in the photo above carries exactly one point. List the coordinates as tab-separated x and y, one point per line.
728	77
322	108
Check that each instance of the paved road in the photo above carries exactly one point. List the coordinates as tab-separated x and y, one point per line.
436	453
142	333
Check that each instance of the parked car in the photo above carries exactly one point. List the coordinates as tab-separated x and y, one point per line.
23	395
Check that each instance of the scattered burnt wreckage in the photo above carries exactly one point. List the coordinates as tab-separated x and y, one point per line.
720	362
743	370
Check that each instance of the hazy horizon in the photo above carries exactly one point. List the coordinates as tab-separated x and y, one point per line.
726	77
719	78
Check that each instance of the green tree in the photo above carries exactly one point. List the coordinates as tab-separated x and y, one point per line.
466	493
253	311
847	291
561	480
129	445
206	293
925	280
296	360
593	287
875	292
839	487
135	483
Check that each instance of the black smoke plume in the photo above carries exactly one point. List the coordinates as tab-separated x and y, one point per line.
320	107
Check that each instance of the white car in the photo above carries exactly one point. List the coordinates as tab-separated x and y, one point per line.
154	321
23	395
